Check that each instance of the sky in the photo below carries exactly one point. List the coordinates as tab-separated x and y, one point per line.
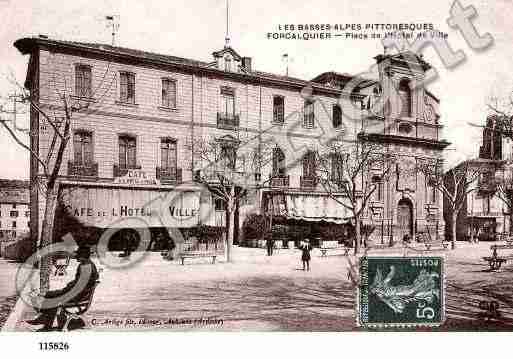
194	29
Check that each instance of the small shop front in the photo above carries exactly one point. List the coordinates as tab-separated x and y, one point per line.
159	216
482	228
296	216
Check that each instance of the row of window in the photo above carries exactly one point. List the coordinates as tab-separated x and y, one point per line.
308	112
83	156
16	213
83	151
83	88
13	224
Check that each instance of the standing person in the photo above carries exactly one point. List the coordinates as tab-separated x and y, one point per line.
305	254
269	244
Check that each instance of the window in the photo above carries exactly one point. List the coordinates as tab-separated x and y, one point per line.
14	205
83	81
309	168
337	116
405	128
14	213
169	93
13	224
228	101
219	204
278	109
227	64
228	155
127	152
337	168
83	148
405	98
168	154
27	213
278	162
378	192
430	191
308	113
127	87
486	205
14	232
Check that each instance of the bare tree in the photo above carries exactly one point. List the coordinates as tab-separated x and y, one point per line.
348	171
455	185
227	174
58	118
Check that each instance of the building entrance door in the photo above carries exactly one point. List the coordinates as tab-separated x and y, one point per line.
404	218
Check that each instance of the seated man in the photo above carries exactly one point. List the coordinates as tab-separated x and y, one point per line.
85	279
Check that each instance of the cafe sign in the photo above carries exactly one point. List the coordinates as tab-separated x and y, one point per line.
128	208
136	177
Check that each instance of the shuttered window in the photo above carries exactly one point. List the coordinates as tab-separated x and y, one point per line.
127	87
278	109
169	93
83	148
127	152
168	154
83	82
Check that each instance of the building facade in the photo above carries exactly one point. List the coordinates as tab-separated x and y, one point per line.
14	209
485	215
134	142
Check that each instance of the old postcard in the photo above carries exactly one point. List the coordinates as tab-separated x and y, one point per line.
287	166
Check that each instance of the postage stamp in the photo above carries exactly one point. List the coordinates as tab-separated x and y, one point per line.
401	292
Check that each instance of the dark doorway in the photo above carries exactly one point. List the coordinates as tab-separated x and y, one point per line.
404	218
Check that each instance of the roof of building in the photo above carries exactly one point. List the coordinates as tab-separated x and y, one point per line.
27	45
14	191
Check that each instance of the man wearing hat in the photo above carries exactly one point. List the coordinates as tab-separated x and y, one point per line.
85	279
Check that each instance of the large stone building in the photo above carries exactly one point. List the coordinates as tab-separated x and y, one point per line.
145	112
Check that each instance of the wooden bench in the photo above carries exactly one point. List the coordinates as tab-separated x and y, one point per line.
436	245
325	250
74	309
377	246
198	255
495	261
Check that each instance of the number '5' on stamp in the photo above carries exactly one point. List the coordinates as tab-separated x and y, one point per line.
401	292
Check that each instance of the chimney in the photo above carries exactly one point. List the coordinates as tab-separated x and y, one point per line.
246	63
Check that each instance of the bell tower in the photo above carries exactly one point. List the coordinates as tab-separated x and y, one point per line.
402	78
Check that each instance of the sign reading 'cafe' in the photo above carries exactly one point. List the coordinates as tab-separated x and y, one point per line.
107	207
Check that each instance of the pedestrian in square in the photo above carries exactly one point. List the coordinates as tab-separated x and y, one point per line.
306	248
270	246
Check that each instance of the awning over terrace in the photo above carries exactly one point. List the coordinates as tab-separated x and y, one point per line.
115	207
306	207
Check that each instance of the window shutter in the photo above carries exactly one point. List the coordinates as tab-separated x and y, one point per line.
123	96
172	94
88	149
87	82
77	149
131	153
122	153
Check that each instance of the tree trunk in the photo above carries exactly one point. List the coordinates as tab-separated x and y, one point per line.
510	222
47	236
231	225
453	229
357	235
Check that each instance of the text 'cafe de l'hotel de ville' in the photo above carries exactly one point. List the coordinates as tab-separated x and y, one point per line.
133	143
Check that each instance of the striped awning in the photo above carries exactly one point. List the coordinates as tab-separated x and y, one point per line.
306	207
